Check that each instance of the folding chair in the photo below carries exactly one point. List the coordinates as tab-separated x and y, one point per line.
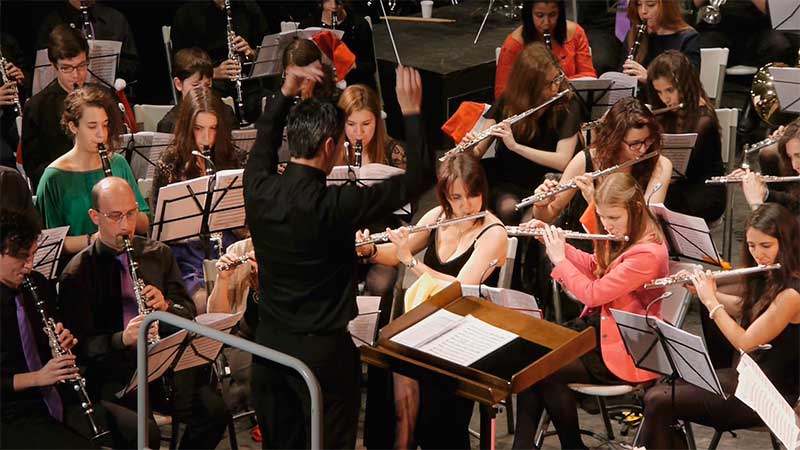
150	115
713	62
166	37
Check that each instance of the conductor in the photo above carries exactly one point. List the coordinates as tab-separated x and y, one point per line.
303	232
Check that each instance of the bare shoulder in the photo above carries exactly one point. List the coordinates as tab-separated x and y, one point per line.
431	216
788	300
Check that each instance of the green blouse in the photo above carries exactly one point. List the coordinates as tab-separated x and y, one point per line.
64	197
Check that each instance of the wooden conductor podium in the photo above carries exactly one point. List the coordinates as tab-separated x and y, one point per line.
540	349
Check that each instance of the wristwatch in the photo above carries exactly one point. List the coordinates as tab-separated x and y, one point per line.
411	264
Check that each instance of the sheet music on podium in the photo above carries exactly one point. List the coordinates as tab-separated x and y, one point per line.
756	391
269	60
364	327
459	339
227	204
150	145
51	241
678	148
103	58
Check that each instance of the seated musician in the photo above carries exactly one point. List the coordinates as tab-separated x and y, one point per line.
63	197
767	312
672	80
191	68
757	192
568	39
100	305
198	126
467	252
540	143
611	278
33	410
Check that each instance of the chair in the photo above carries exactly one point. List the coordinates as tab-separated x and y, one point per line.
713	62
146	188
673	310
166	35
728	121
741	71
150	115
289	26
497	55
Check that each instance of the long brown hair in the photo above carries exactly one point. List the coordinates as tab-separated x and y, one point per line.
526	85
98	97
670	16
467	168
359	97
179	156
761	289
627	113
676	68
620	189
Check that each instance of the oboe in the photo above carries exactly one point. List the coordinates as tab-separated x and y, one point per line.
236	263
233	55
6	80
516	231
765	178
138	283
640	30
358	149
527	201
687	278
87	24
101	150
384	236
510	121
76	384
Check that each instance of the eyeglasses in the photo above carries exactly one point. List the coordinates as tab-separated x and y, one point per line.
557	80
116	216
637	145
69	69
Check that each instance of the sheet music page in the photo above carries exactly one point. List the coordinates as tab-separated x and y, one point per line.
343	174
375	173
469	341
219	321
690	355
183	216
228	206
51	241
785	15
678	148
158	359
690	234
641	342
363	327
756	391
624	86
244	139
102	61
428	329
150	144
787	85
507	298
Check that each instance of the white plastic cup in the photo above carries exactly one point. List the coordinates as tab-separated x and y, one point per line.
427	8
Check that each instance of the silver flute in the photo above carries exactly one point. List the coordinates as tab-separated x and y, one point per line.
637	42
599	122
6	80
138	284
756	146
101	150
236	263
234	55
536	232
527	201
76	384
384	236
687	278
766	178
483	135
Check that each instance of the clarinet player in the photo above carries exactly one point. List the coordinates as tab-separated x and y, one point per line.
311	257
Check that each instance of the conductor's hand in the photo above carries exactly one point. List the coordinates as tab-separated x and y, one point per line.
556	244
409	90
154	298
65	337
131	332
296	75
546	186
226	70
60	368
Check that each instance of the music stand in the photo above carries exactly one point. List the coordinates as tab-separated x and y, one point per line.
507	298
244	139
589	91
143	150
688	236
785	15
45	260
364	327
787	86
160	357
364	176
269	55
678	148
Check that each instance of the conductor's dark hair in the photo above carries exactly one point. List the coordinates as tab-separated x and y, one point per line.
18	231
66	42
310	123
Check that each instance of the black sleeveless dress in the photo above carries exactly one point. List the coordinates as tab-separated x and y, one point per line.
454	266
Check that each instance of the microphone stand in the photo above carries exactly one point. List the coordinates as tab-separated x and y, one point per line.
491	265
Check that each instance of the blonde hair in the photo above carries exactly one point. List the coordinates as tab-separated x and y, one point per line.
359	97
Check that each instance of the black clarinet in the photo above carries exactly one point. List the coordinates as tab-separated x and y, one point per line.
207	153
548	41
101	150
358	150
76	384
87	25
637	42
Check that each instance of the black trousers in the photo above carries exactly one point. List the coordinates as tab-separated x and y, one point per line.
443	421
38	430
281	397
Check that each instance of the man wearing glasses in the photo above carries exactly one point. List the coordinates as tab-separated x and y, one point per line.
98	301
43	139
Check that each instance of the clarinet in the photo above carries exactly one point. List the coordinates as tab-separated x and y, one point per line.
76	384
87	25
358	149
6	80
101	150
637	42
548	41
207	154
138	284
233	55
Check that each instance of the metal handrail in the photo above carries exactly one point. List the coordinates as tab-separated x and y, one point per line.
251	347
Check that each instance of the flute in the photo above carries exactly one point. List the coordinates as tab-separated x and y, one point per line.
656	112
236	263
765	178
686	278
536	232
101	150
384	236
527	201
488	132
759	145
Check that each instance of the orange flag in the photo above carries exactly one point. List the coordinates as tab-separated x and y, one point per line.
331	46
